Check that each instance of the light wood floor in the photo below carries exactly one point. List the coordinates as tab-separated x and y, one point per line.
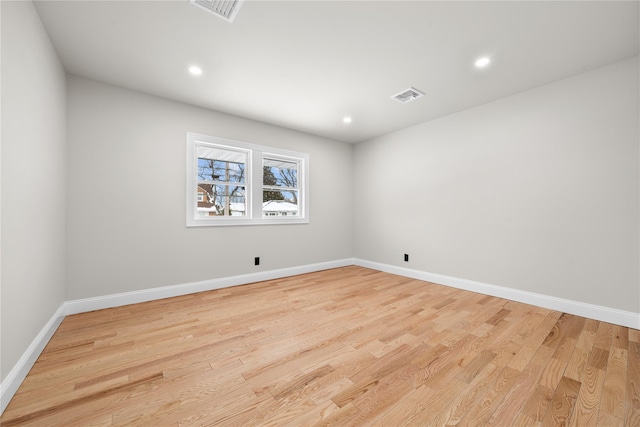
349	346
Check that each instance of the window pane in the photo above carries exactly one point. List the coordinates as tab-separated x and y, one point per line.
279	173
220	171
221	200
280	203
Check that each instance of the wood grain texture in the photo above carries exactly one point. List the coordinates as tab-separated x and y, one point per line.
562	402
612	403
632	401
349	346
585	413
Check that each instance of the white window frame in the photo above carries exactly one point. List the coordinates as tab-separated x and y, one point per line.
253	183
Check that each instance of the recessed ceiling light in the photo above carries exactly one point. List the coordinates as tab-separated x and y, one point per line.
195	70
347	119
482	62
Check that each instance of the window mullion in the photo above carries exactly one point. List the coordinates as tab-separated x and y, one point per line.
256	184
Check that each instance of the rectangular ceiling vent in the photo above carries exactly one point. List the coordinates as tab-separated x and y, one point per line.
408	95
225	9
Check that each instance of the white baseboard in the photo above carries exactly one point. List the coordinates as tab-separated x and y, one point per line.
597	312
117	300
20	370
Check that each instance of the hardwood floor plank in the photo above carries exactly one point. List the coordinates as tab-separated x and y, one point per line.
538	403
562	402
458	407
377	400
580	357
525	421
337	417
612	403
528	349
300	382
315	415
632	399
585	413
552	374
620	337
482	410
348	346
604	336
514	400
479	363
404	410
598	358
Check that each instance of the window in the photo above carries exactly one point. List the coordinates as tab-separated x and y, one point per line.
236	183
221	176
280	191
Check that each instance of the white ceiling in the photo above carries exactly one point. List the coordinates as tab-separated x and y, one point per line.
307	64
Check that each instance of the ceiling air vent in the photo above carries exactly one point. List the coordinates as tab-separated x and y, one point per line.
225	9
408	95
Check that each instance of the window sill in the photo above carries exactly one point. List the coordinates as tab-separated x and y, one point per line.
222	222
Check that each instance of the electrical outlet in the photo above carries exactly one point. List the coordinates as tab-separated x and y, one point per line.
406	257
256	260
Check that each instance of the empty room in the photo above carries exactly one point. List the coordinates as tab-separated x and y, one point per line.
349	213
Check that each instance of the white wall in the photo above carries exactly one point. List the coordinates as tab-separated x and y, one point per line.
126	196
33	181
536	192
